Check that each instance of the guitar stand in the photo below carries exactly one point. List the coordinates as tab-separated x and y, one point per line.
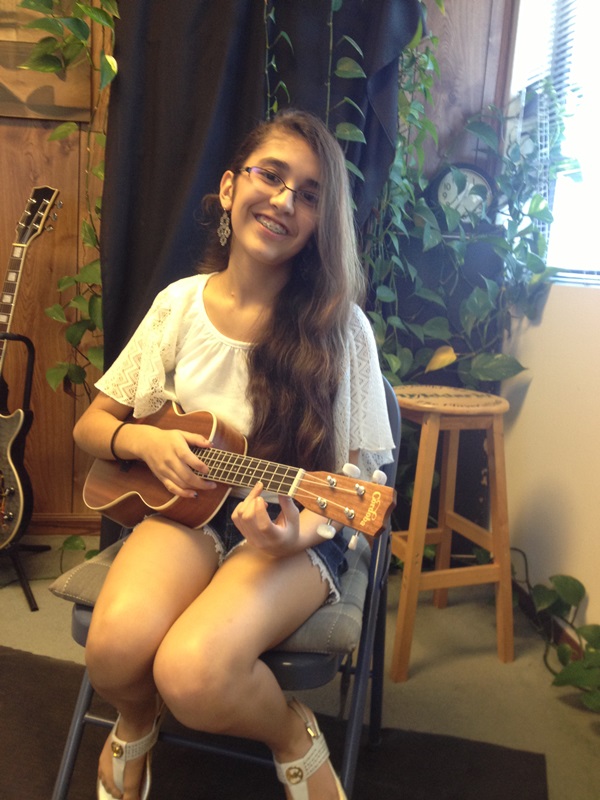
14	548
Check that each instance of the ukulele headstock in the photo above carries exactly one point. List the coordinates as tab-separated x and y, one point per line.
364	506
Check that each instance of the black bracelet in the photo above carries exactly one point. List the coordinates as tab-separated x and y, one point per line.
120	461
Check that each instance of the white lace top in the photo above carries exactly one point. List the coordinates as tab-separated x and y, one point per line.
176	353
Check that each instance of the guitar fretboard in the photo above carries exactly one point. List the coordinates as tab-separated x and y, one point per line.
246	471
9	291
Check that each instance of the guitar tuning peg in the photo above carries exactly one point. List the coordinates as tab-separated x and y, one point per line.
353	541
49	228
379	477
351	470
326	530
60	204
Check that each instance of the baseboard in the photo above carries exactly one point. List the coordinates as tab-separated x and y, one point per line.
64	524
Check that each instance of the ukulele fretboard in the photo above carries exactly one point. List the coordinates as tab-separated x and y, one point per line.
246	471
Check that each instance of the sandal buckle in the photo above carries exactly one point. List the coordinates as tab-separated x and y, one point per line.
294	775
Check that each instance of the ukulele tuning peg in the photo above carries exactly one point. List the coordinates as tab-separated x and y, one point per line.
351	470
379	477
326	530
353	541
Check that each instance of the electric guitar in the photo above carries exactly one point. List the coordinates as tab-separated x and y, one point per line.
127	493
16	496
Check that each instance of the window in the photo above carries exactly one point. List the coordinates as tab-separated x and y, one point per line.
557	40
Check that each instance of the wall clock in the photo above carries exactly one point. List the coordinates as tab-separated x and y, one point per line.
465	188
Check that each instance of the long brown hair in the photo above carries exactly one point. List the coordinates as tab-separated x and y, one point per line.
295	366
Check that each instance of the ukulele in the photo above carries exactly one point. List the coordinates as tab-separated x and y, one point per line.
16	496
127	492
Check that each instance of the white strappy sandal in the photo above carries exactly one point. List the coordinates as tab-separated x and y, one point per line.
295	774
126	751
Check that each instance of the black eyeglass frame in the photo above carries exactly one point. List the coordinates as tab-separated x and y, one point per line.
307	198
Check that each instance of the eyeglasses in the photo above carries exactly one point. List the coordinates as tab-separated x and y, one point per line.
264	178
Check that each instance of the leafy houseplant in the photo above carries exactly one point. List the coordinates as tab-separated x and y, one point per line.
432	305
554	611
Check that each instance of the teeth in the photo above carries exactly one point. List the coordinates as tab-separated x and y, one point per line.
270	225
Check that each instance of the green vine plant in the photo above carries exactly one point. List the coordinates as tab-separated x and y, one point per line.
68	41
271	67
555	609
432	308
346	68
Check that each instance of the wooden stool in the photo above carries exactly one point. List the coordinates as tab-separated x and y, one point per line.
435	409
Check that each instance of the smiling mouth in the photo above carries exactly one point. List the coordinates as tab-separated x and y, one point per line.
271	225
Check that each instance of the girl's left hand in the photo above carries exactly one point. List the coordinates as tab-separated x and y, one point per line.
278	538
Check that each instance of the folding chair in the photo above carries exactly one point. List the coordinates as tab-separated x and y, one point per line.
312	657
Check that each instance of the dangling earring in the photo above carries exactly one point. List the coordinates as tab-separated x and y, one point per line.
224	229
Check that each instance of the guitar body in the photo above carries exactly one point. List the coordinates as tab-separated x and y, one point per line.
127	495
16	494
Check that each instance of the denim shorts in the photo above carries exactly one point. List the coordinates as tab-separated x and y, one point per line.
329	555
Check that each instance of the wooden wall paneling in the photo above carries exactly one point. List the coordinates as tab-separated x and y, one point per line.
472	54
28	159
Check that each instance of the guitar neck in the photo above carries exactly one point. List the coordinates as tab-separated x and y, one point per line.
9	292
30	226
245	471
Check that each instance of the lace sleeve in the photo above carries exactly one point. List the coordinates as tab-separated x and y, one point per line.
361	416
140	377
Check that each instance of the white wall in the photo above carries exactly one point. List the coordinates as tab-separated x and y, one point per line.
553	441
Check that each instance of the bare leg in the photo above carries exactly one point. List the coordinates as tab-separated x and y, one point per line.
160	570
208	668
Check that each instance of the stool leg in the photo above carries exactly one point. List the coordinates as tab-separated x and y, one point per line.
415	543
447	497
501	540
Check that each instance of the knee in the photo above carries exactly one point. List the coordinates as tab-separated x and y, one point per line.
198	682
117	645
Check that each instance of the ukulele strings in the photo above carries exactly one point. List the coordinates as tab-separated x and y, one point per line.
245	471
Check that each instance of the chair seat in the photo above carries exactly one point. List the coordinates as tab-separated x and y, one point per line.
333	629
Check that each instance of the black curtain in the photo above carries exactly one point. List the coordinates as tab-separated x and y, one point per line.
190	85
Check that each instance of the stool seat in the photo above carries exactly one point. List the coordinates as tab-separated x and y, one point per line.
448	400
444	412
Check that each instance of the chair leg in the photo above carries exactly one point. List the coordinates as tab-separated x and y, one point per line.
415	545
379	565
67	765
377	677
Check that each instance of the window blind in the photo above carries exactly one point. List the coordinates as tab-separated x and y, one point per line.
555	42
